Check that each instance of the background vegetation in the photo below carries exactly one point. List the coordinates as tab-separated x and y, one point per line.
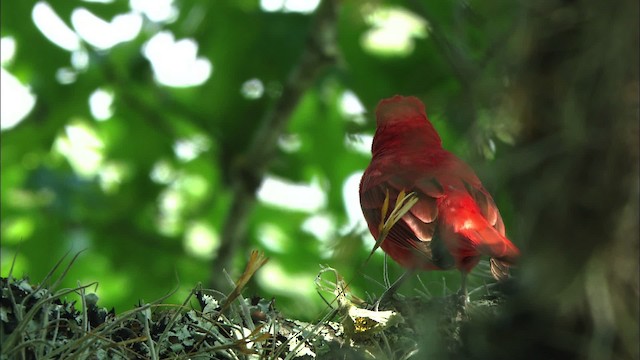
148	148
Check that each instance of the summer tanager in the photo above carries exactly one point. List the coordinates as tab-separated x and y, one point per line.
454	221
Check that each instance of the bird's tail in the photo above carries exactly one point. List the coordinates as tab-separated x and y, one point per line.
502	251
499	269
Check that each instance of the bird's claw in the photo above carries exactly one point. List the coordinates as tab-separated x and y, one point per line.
462	299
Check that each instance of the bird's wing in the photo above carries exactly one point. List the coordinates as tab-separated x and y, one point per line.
493	238
486	204
415	231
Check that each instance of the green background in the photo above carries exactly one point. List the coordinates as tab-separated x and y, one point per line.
126	253
468	65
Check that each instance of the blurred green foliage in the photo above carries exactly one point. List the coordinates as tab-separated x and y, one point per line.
135	247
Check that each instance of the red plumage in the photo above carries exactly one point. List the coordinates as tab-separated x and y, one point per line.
455	220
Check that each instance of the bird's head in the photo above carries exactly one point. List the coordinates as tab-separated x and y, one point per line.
405	116
399	109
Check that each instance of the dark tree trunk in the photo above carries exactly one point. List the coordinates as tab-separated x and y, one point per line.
575	183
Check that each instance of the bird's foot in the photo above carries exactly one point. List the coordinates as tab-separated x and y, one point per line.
462	300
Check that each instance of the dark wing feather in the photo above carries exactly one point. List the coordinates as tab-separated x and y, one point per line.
415	231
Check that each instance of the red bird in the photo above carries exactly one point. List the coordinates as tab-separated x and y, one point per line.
454	221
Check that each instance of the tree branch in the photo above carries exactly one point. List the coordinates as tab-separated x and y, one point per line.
319	52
